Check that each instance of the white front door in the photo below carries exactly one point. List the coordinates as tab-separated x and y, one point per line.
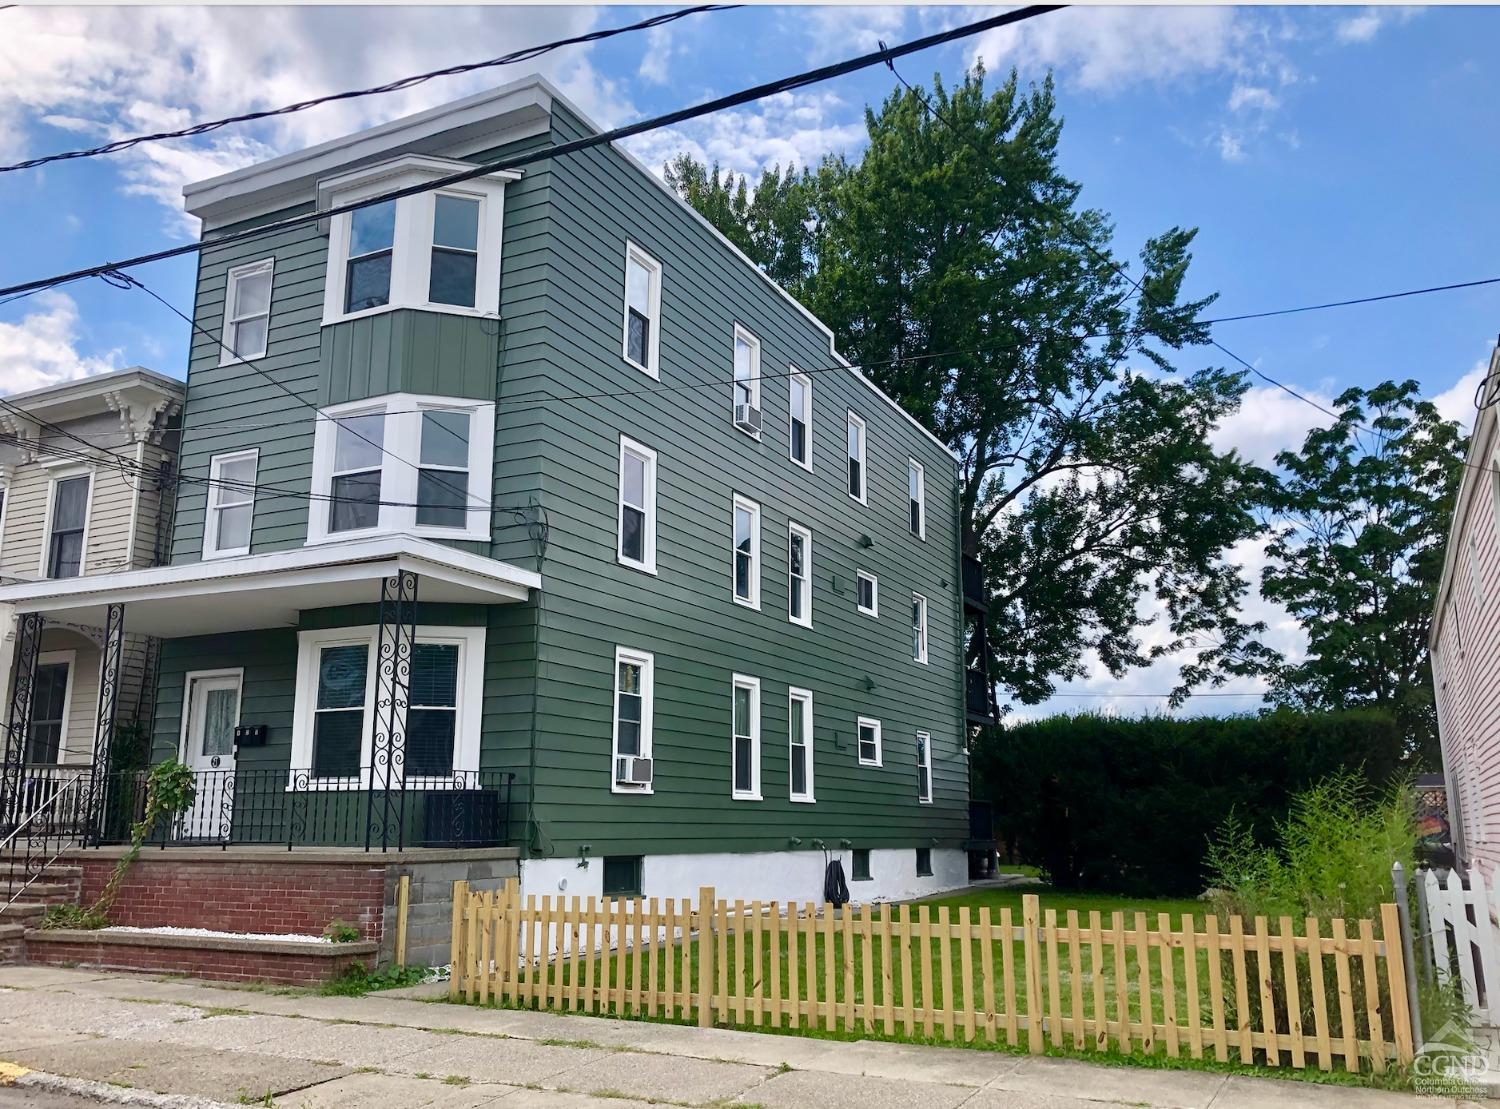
213	712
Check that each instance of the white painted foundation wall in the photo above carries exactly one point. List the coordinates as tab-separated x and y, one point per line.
766	876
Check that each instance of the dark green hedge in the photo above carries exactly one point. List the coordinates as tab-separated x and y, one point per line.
1128	805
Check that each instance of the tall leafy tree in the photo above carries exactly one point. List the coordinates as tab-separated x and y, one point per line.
1362	514
955	263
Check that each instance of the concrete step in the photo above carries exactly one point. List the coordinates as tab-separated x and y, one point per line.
40	890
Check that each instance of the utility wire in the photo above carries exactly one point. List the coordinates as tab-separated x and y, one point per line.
515	56
124	280
518	161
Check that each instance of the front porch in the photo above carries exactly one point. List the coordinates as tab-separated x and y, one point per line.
374	740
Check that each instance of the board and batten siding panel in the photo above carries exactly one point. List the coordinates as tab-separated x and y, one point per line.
685	615
1466	661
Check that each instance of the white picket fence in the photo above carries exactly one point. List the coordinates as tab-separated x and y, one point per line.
1461	935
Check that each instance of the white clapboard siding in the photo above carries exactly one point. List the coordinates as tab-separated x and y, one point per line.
1466	656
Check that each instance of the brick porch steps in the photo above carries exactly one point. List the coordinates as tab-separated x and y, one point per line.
58	885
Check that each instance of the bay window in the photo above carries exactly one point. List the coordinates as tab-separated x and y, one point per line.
406	464
438	251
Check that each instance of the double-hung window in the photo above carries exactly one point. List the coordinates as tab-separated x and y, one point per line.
745	725
642	310
746	382
800	743
437	727
918	627
857	474
403	464
637	523
634	694
867	593
358	466
746	568
437	250
372	243
231	504
799	419
453	275
69	513
924	768
868	741
799	594
247	312
916	495
443	468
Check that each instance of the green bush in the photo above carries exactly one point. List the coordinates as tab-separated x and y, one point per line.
1129	805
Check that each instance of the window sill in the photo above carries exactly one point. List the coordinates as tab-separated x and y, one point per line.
755	605
423	532
639	567
803	800
746	797
644	791
805	465
860	500
921	662
655	375
872	613
799	623
232	552
239	359
441	309
865	878
748	434
866	762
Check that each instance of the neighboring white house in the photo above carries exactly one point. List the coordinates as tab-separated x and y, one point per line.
1465	643
67	510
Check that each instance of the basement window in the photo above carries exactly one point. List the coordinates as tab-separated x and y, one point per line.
924	862
860	870
623	875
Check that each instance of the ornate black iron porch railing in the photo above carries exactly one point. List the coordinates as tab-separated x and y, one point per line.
72	805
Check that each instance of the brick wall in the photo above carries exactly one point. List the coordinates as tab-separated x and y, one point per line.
233	895
220	966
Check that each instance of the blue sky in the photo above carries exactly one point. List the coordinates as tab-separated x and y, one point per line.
1323	152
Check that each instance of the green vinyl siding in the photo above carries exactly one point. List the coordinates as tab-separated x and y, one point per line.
564	396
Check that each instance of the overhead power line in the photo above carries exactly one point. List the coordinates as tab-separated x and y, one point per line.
518	161
1357	300
525	55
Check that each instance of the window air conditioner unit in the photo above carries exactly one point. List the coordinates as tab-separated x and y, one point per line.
747	418
632	770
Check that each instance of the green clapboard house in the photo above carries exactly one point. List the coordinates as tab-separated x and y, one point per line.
525	510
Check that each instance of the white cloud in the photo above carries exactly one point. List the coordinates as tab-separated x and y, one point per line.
42	349
840	32
1457	401
1368	23
656	55
111	72
788	128
1252	97
1269	420
1107	49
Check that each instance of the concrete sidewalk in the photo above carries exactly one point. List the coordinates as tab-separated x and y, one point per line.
125	1035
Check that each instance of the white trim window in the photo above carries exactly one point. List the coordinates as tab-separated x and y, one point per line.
403	464
799	592
334	720
745	566
635	696
868	741
745	739
916	497
800	418
69	495
642	338
918	628
867	593
247	312
636	525
858	474
231	504
437	250
800	744
924	767
746	391
52	698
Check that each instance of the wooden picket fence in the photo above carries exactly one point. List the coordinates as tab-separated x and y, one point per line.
1258	995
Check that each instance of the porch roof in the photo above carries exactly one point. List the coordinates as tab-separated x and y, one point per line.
269	590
